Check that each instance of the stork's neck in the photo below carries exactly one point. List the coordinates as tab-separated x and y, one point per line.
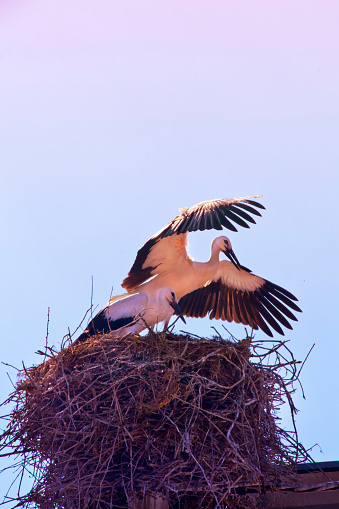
204	271
215	250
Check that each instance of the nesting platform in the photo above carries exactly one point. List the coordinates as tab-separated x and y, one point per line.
111	423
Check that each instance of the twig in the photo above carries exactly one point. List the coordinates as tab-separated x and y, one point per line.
47	329
310	350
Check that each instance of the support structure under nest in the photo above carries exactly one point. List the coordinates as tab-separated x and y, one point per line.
104	423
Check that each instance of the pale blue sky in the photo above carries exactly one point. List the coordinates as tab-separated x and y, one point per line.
115	114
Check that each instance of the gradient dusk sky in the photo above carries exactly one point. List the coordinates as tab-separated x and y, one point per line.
115	114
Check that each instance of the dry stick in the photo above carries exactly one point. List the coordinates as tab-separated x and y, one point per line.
83	319
297	376
218	333
10	366
111	294
191	335
47	332
13	385
229	333
92	288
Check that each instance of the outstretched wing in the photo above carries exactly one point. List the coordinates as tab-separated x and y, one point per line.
162	250
240	296
158	255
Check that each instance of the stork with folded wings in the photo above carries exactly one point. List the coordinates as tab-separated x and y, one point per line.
132	314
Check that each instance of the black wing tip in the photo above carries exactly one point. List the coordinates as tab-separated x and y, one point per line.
244	206
282	290
256	204
231	227
297	308
211	219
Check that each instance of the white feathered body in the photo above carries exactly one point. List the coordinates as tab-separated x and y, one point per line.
132	313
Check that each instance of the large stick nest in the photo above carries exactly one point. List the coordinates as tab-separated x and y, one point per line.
193	419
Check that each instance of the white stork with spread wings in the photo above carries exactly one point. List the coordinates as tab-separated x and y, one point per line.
224	290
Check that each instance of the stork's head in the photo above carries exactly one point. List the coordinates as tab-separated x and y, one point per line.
225	246
169	295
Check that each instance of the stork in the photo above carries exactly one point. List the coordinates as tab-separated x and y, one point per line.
133	313
223	289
